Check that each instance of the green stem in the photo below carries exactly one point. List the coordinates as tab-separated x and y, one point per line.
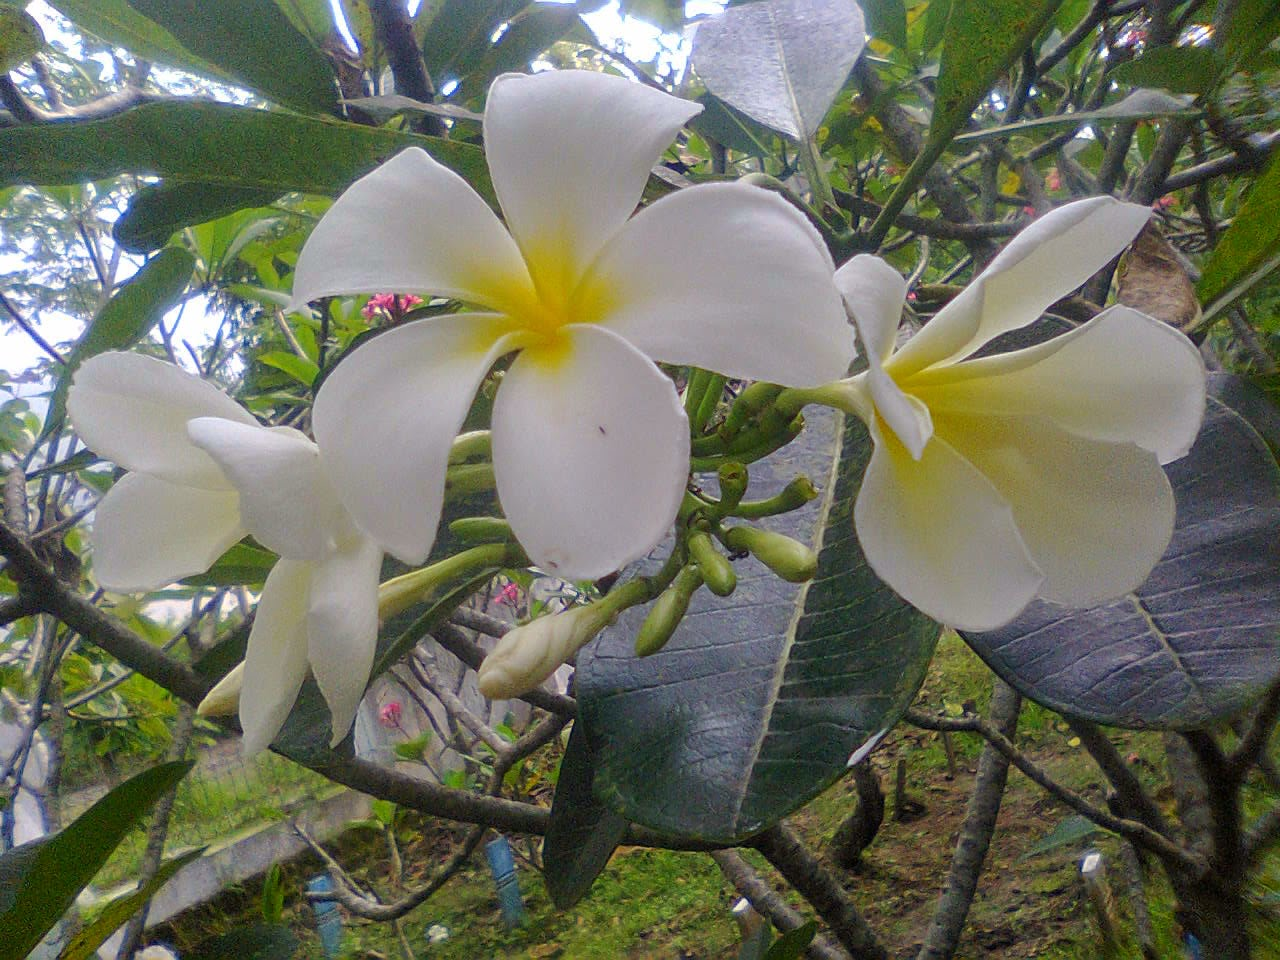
399	593
694	390
793	496
711	395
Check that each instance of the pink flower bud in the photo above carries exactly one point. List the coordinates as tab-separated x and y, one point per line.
389	715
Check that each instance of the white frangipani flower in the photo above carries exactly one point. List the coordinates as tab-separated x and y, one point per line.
1033	473
590	443
204	473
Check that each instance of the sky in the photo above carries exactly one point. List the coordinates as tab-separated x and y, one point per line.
640	41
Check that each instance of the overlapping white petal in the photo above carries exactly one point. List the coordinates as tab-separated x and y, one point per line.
275	662
874	293
342	628
943	536
1042	264
133	410
713	276
410	226
570	153
148	532
285	499
385	419
590	450
1030	473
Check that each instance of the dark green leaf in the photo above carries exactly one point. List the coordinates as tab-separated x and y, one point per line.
77	461
1249	30
981	40
20	38
1177	69
528	34
391	105
749	710
301	369
781	62
155	213
1139	105
313	18
935	23
792	944
582	832
118	23
253	42
887	21
1249	245
262	941
84	943
458	37
41	879
126	318
729	128
1070	831
214	143
241	565
273	895
1201	637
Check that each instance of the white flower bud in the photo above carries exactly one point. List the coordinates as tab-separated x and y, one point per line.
224	699
529	654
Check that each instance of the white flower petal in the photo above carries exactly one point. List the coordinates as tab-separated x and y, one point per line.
905	415
342	629
874	293
1042	264
1122	377
591	453
386	416
148	533
411	226
726	277
1095	516
570	152
940	534
528	654
133	410
285	500
275	661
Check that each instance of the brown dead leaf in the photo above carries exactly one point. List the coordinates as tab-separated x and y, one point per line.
1153	280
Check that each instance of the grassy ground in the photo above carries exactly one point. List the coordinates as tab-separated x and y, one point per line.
671	905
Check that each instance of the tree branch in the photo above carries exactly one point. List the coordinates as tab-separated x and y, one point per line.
943	935
394	29
800	868
1135	801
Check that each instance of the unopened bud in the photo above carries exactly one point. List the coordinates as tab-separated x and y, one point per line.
667	612
717	571
790	559
224	699
481	529
733	484
527	655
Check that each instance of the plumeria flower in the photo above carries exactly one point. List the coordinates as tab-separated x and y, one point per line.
1032	473
390	304
204	473
590	443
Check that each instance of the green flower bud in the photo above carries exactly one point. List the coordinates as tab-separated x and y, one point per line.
481	529
717	571
793	496
790	559
733	484
667	612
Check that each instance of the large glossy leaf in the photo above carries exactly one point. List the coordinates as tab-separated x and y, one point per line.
781	62
528	34
40	880
460	33
219	144
116	22
582	832
125	319
254	42
1201	637
20	38
118	911
981	40
1249	247
155	213
762	699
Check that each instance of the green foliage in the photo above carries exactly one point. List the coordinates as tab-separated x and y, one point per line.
273	895
20	38
1249	250
260	942
40	880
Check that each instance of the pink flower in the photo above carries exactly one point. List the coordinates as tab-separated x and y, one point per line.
390	304
1053	179
1165	202
389	715
510	595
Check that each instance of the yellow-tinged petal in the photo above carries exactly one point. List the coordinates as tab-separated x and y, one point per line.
385	418
729	278
1042	264
148	533
1095	516
938	532
224	699
133	410
570	152
275	660
1121	377
902	413
412	226
591	453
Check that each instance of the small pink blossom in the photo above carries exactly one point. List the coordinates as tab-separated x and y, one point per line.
1165	202
1053	179
509	595
390	304
389	715
1029	210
